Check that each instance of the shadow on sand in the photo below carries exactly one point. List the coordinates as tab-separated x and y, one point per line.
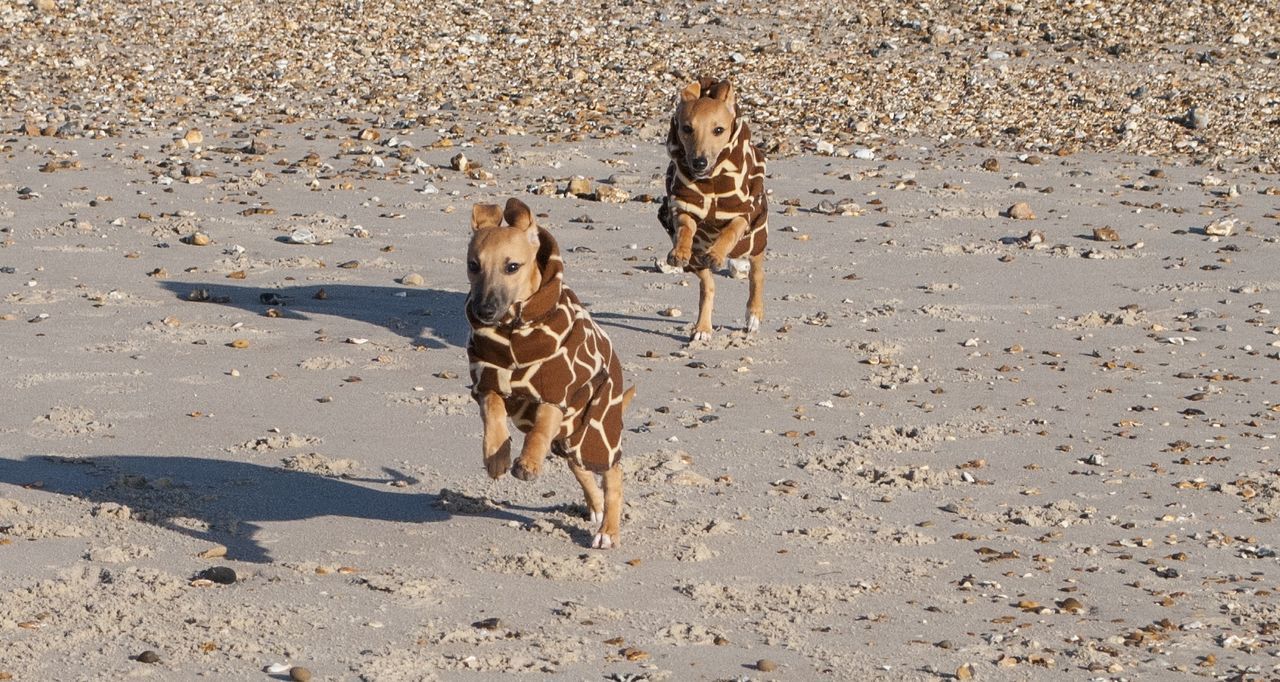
225	502
429	317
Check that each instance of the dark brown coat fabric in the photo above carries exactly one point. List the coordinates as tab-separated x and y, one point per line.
551	351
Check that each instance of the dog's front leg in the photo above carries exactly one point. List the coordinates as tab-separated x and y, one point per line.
537	443
729	237
497	440
682	251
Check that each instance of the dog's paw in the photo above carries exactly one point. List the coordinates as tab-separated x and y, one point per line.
700	335
499	462
525	470
753	324
603	541
678	257
713	259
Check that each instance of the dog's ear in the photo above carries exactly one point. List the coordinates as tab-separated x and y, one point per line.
723	91
691	92
485	215
520	217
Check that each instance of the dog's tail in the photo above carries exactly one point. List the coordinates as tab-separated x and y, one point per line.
627	396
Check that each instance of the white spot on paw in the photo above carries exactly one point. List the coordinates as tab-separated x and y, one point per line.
753	324
602	541
701	336
596	517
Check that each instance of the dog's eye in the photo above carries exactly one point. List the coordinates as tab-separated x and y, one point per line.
686	129
512	268
719	130
473	266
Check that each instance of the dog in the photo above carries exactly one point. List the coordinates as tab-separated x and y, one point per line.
537	356
715	208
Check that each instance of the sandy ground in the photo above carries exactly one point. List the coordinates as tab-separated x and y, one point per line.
942	434
964	445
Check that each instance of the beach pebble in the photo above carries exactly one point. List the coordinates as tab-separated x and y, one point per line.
299	674
197	239
223	575
487	624
1222	227
765	665
670	312
412	279
148	656
1105	234
302	237
1021	211
578	186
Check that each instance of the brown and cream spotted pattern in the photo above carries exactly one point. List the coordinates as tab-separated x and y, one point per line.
734	188
549	350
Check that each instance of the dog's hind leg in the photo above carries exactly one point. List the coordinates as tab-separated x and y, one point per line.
537	443
706	301
755	297
607	536
497	439
590	491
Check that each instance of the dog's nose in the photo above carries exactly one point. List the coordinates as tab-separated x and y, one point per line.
485	310
698	163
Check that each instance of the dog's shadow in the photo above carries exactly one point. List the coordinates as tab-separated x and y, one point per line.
226	502
620	321
429	317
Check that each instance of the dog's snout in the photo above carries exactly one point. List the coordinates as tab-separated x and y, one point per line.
698	163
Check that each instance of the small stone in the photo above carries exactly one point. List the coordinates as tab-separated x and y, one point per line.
321	294
864	154
223	575
965	672
198	239
991	164
765	665
148	656
1222	227
1196	118
349	265
412	279
671	312
299	674
1105	234
215	551
1071	605
239	344
609	194
488	624
369	135
459	162
302	237
193	137
1033	237
578	186
1021	211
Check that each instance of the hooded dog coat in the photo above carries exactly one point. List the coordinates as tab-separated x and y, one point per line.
551	351
734	188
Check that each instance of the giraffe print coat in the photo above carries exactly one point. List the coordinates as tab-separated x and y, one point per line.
549	350
734	188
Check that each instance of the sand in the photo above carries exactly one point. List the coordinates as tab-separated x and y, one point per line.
949	445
